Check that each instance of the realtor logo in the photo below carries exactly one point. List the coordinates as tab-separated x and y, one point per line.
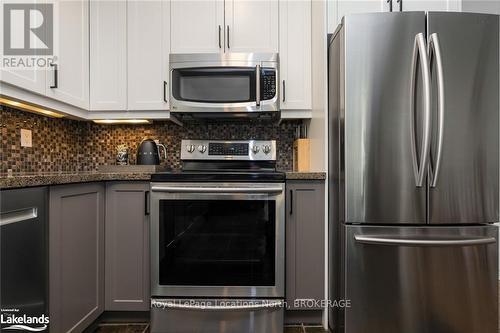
28	29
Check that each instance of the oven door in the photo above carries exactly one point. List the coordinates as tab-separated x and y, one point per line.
217	240
215	87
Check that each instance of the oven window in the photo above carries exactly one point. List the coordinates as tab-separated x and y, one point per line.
217	242
214	84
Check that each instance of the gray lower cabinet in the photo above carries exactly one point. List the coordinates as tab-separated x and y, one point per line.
127	247
76	256
305	244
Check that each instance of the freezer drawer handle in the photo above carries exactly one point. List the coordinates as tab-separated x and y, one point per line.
420	165
244	190
435	53
18	215
189	306
423	242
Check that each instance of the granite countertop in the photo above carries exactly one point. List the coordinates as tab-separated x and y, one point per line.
59	178
293	175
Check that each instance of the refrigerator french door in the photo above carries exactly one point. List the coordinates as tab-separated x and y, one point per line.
413	132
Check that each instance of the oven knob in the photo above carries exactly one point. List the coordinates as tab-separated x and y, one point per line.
255	149
266	149
190	148
202	148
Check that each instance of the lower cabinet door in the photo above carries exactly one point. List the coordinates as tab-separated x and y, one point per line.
127	247
305	245
421	279
76	256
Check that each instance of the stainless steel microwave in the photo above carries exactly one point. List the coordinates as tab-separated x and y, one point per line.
224	83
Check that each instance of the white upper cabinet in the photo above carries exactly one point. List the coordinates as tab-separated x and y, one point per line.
251	26
68	81
197	26
28	78
427	5
339	8
295	55
213	26
148	47
108	55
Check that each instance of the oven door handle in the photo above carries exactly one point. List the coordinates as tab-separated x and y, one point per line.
217	190
189	306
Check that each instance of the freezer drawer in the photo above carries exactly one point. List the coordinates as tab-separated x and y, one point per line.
421	279
216	315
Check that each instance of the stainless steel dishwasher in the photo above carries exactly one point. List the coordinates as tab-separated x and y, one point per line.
24	259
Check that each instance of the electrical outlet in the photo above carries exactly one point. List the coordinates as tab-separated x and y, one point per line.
26	138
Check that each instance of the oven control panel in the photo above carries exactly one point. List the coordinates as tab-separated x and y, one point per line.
243	150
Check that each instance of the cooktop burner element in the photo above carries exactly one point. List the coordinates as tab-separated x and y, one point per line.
225	161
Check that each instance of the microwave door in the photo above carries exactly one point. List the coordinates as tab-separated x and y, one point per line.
213	87
223	89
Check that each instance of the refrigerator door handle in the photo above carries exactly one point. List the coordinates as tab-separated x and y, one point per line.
420	53
435	53
376	240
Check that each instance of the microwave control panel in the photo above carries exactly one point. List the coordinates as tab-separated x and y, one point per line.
268	83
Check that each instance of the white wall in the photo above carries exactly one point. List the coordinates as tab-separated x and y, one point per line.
481	6
318	126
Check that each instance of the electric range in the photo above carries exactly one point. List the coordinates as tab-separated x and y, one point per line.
217	239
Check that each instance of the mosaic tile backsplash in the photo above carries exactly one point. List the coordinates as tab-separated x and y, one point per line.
68	145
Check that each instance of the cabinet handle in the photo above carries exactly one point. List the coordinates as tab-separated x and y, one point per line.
165	86
400	5
56	74
220	43
283	91
228	38
146	203
291	202
390	5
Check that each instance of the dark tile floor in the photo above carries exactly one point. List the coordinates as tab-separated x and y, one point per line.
123	328
144	328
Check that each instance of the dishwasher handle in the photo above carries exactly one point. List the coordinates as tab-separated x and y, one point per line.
18	215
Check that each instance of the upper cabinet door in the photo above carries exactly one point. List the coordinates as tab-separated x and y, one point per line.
197	26
427	5
251	26
148	52
340	8
68	81
29	78
295	54
108	55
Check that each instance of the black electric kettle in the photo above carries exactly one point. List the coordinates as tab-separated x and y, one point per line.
148	152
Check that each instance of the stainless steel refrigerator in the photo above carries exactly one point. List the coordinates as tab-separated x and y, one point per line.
414	176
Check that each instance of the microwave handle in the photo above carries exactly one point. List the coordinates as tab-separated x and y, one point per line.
257	85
